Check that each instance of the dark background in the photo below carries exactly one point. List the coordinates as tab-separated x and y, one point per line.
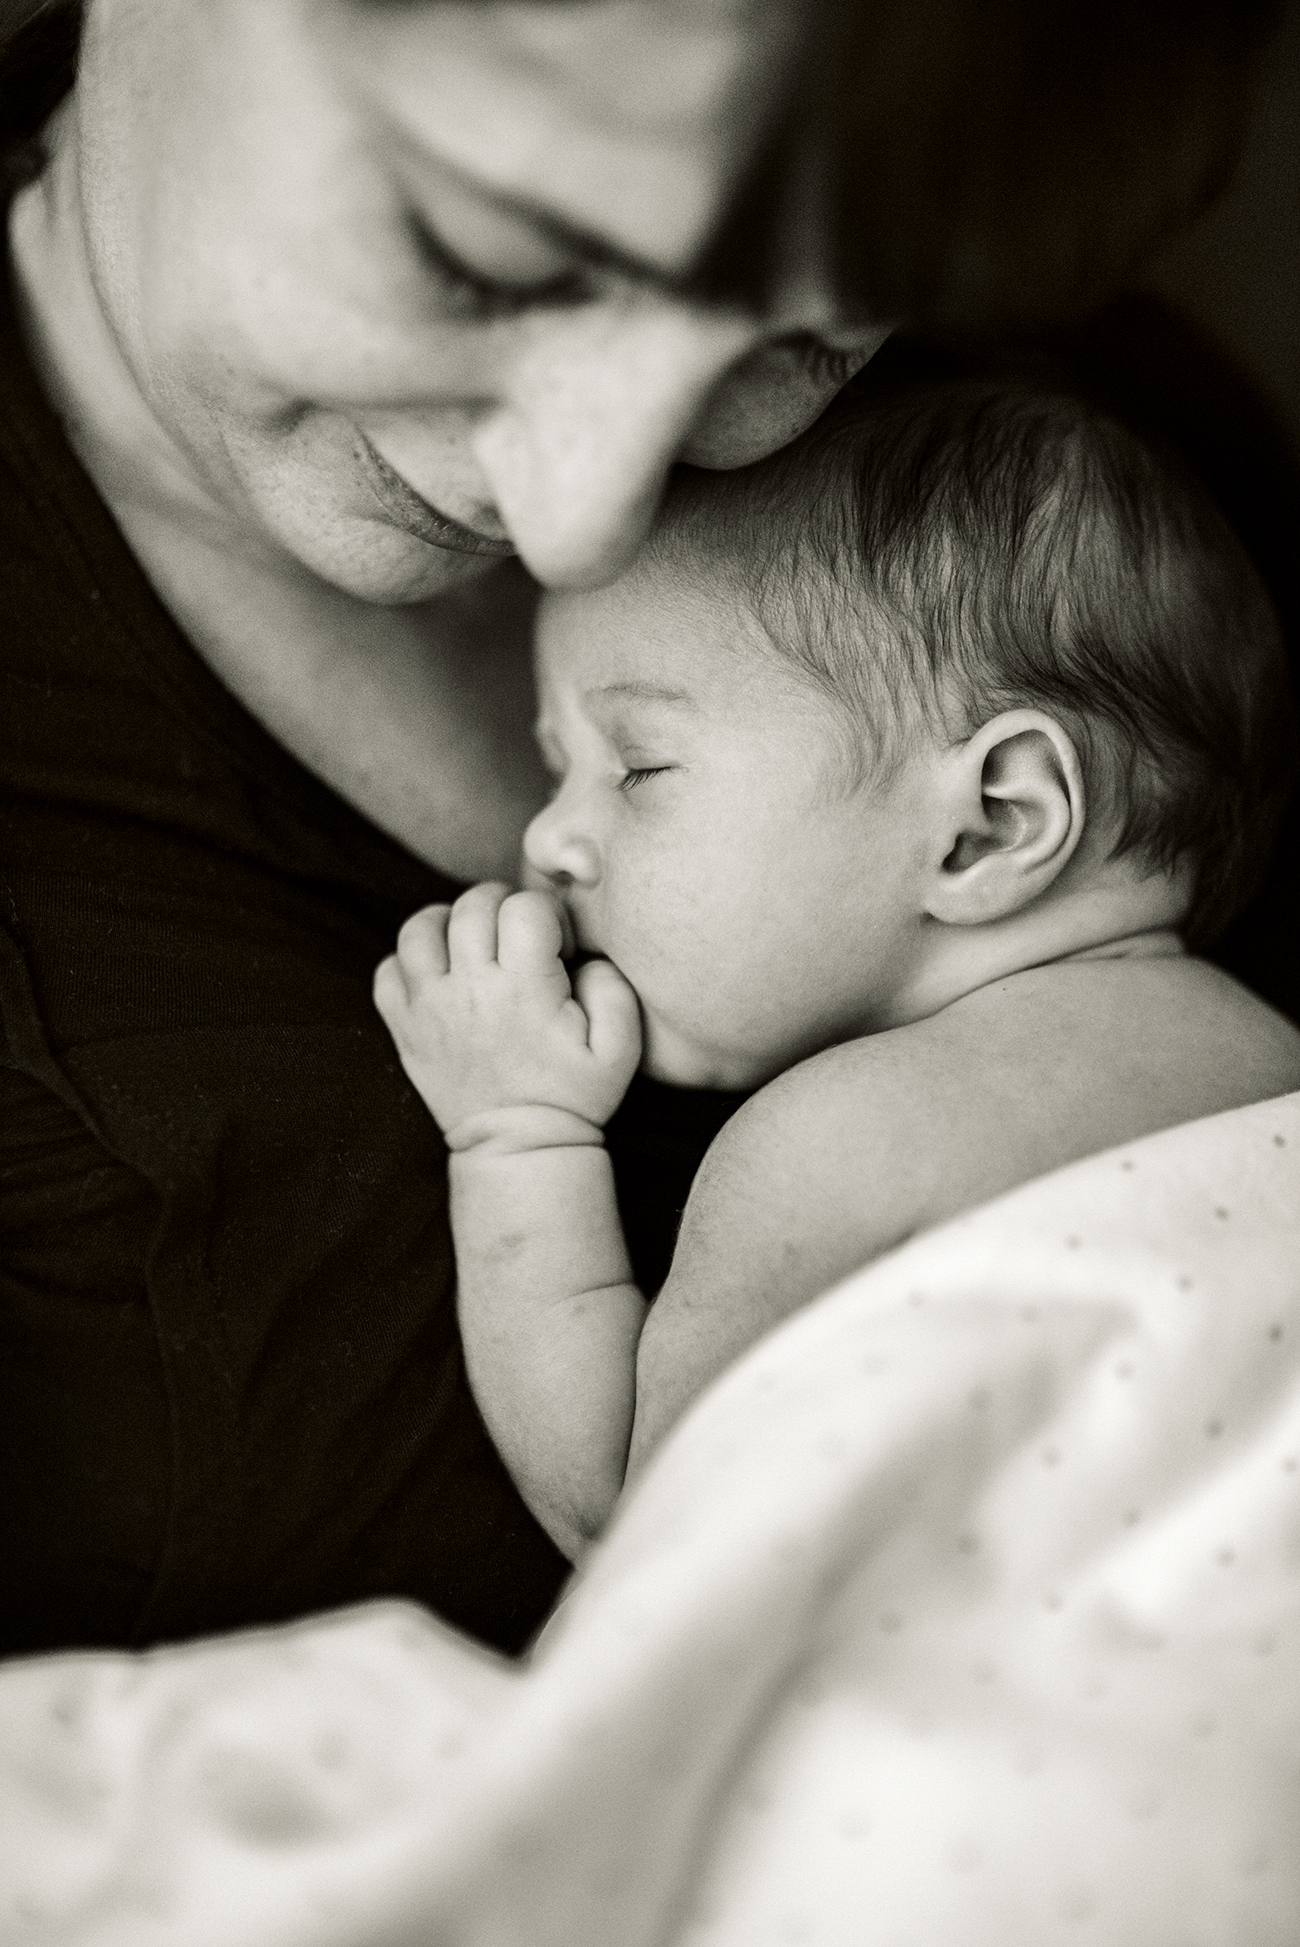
1237	268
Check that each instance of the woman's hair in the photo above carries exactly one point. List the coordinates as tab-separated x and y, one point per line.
38	50
974	160
962	547
998	161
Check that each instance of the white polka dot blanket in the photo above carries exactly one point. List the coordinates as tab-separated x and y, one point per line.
963	1612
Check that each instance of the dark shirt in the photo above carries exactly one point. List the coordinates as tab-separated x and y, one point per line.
231	1384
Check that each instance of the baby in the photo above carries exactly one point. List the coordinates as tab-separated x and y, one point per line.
895	780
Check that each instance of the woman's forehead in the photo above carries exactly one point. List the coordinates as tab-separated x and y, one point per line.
633	121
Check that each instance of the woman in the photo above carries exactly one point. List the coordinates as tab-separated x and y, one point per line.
322	320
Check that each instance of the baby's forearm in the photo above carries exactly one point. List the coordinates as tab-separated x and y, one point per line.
550	1320
523	1065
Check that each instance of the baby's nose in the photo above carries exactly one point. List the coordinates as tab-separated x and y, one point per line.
559	852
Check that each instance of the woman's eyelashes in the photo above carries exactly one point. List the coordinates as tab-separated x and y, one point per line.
826	364
479	298
638	774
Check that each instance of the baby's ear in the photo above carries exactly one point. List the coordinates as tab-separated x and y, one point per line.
1013	814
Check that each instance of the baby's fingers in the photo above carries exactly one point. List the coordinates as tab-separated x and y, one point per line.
614	1017
530	933
389	991
422	945
472	925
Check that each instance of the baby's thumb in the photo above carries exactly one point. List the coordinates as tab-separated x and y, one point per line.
613	1015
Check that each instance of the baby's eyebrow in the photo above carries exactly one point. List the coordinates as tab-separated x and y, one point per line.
637	690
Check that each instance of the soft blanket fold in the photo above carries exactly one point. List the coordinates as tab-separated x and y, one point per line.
964	1611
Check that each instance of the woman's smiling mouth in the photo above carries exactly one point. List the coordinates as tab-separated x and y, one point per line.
409	510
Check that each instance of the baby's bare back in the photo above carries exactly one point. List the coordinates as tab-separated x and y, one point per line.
857	1149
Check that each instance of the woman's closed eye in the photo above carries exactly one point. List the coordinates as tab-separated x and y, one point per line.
480	298
639	775
826	364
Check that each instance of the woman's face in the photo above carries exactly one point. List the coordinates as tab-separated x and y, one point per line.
406	283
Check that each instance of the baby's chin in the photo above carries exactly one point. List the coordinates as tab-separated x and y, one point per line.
668	1056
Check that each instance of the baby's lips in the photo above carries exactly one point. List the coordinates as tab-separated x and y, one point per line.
579	942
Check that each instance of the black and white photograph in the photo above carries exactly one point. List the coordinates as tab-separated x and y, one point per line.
650	973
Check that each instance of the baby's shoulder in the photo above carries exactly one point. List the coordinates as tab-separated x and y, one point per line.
854	1150
1171	1027
842	1156
1017	1079
1065	1060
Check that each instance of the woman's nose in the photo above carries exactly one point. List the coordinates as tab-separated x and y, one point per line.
598	406
556	847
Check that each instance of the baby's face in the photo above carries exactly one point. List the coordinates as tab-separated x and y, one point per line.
703	837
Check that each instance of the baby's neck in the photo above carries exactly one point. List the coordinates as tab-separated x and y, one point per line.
1118	917
1156	943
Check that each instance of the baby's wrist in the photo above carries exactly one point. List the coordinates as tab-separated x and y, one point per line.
522	1126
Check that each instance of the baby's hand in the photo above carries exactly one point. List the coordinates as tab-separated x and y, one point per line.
486	1023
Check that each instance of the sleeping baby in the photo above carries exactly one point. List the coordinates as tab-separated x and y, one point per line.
899	781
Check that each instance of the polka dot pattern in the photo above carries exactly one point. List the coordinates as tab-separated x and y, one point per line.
963	1612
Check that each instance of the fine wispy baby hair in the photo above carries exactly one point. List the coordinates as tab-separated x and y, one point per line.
961	547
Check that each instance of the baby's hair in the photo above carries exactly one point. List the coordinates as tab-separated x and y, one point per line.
979	546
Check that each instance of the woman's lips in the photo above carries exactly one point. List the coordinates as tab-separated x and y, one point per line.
406	509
